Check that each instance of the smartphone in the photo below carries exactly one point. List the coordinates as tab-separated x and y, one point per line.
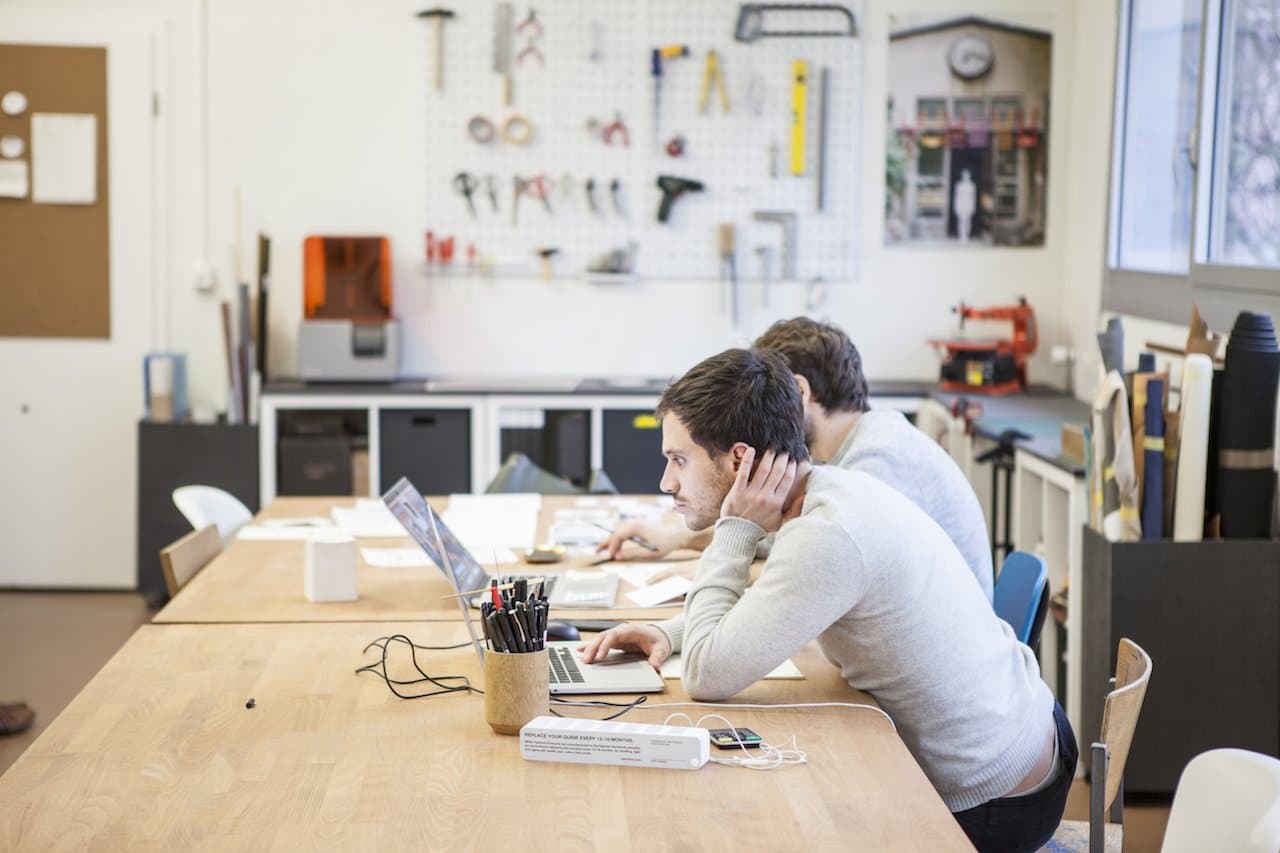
725	739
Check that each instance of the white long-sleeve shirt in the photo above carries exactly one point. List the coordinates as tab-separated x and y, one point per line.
892	604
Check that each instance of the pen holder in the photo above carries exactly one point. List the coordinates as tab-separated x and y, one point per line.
515	689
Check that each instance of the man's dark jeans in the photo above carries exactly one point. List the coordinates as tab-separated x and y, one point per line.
1016	824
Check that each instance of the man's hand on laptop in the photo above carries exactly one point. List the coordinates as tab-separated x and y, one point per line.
759	496
649	640
664	538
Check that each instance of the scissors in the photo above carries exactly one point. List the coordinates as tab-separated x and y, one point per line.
465	183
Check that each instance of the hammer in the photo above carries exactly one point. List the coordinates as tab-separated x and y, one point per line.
438	14
546	253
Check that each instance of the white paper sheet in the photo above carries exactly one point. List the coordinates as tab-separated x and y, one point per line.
275	534
368	524
661	592
298	521
509	521
394	558
14	179
671	668
64	158
639	573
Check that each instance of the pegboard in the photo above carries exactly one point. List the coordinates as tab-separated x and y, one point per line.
596	64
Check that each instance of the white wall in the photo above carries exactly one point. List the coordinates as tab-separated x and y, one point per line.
317	115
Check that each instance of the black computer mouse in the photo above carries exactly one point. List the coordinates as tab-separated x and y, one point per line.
557	630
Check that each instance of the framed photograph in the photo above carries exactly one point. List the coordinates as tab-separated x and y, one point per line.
967	158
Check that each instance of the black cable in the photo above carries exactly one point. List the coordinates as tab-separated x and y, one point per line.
600	703
379	669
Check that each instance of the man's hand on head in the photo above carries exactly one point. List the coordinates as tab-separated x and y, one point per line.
760	495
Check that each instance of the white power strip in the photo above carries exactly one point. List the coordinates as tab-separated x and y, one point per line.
598	742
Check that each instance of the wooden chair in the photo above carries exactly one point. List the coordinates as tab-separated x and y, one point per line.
184	558
1107	758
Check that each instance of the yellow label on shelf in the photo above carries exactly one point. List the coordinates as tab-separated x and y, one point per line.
799	109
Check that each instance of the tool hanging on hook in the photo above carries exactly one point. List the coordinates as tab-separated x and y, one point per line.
712	76
438	16
658	58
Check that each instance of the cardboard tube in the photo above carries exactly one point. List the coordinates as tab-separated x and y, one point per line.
1193	449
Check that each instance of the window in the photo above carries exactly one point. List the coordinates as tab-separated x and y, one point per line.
1195	180
1246	195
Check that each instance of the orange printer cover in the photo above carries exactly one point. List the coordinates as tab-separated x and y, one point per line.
346	278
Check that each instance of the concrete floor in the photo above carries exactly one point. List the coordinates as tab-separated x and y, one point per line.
52	643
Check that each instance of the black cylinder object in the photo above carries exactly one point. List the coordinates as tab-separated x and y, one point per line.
1246	479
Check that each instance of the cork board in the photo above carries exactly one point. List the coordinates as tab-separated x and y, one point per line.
55	258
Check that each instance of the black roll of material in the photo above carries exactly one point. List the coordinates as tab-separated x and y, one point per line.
1246	479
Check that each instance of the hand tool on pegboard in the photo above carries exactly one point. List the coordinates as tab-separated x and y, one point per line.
712	76
799	113
787	220
727	243
503	22
672	188
658	59
751	21
438	16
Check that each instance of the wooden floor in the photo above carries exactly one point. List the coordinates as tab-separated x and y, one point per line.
52	643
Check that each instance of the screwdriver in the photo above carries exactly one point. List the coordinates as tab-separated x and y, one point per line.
656	58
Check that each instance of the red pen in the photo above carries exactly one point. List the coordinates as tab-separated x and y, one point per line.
493	590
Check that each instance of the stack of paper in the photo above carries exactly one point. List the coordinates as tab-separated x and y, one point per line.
368	523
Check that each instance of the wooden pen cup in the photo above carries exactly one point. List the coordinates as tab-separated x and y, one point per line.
516	689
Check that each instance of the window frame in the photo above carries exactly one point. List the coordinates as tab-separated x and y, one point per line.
1162	296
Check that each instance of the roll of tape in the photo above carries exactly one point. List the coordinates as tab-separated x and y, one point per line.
480	129
517	129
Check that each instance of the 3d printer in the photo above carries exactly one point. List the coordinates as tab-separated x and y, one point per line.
991	366
347	331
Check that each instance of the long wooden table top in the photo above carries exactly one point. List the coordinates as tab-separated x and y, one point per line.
262	581
160	752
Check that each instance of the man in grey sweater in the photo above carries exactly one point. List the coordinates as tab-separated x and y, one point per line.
865	572
841	429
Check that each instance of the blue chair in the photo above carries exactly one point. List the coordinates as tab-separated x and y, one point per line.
1021	595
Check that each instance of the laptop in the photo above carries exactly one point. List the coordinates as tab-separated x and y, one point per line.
618	673
575	589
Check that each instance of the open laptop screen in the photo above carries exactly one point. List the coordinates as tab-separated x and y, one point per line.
423	523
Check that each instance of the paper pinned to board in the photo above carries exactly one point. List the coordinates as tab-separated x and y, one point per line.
672	667
15	181
64	158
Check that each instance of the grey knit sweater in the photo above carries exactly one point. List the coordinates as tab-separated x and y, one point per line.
894	606
887	446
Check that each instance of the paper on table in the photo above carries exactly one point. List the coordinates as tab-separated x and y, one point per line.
14	182
640	572
487	520
368	524
390	558
671	668
298	521
64	158
661	592
275	534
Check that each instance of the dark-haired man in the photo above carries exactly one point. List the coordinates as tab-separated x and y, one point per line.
841	429
864	571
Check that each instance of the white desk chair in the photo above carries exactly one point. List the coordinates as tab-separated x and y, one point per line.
1227	799
205	505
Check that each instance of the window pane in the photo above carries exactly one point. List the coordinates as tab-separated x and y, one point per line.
1246	216
1159	110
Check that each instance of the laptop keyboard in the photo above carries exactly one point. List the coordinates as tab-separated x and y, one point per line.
564	669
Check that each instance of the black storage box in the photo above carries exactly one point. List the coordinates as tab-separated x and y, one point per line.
314	466
1206	612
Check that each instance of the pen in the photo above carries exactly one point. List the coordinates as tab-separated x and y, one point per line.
648	546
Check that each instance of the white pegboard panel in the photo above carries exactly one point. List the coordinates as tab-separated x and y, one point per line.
727	153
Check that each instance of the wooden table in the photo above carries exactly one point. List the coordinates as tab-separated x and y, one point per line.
160	752
262	581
